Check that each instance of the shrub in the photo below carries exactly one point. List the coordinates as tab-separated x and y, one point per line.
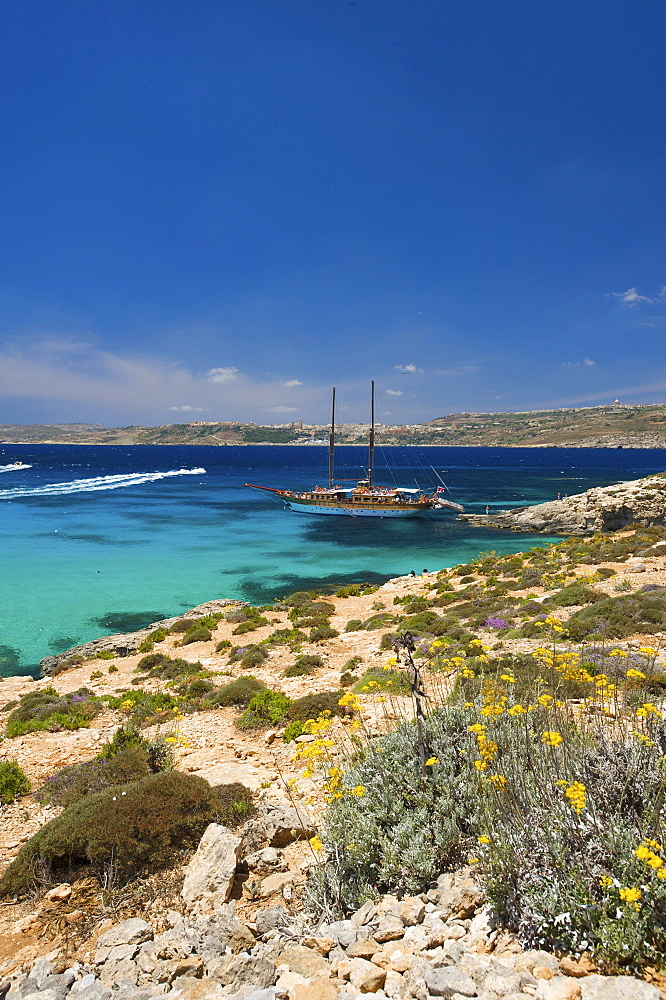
266	709
46	709
236	803
184	625
574	594
291	637
618	617
251	625
13	782
304	664
322	632
311	706
198	689
199	634
299	598
143	708
169	669
248	656
124	830
239	692
353	625
222	645
75	781
151	660
353	663
425	622
106	654
347	679
237	615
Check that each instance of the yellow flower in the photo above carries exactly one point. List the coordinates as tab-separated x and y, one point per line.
605	881
647	650
648	709
661	873
483	839
631	895
350	700
480	765
575	793
546	700
316	844
478	727
469	704
472	861
358	791
508	678
551	739
635	675
497	780
517	710
430	761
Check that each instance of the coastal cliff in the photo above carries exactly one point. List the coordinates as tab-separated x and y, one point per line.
601	509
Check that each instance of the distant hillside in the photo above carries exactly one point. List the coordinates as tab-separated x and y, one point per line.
615	426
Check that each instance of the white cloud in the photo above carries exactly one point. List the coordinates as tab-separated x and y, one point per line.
187	409
291	383
280	409
221	375
586	363
632	297
393	392
407	369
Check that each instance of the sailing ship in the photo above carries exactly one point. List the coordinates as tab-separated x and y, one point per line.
365	499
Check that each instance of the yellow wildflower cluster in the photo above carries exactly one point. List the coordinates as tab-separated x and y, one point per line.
647	710
487	750
350	700
631	895
635	675
575	793
647	852
498	781
494	699
552	739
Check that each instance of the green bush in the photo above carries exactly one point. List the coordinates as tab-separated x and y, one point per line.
251	625
144	708
198	689
304	664
236	804
311	706
184	625
46	709
299	598
267	708
353	625
240	691
199	634
347	679
618	617
169	669
248	656
322	632
13	782
291	637
573	595
222	645
75	781
126	830
353	662
150	660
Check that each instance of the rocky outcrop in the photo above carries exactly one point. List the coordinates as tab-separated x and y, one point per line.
602	509
443	943
209	876
123	644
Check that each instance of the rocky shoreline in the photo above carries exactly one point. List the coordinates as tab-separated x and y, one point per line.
601	509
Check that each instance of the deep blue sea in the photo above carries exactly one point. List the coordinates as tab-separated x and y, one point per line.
95	540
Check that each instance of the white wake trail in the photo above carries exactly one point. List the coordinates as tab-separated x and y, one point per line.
16	467
96	484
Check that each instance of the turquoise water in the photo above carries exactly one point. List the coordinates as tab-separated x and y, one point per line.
95	540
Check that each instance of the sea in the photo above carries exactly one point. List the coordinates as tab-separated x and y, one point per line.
102	539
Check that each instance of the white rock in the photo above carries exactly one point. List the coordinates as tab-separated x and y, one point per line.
209	876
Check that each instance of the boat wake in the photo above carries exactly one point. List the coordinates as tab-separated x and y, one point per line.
96	484
15	467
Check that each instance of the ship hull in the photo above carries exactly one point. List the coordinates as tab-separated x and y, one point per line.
356	509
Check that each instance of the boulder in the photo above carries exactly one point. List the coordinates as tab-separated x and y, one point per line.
276	825
129	932
597	987
449	980
305	961
209	876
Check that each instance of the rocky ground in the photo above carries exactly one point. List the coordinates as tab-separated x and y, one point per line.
233	923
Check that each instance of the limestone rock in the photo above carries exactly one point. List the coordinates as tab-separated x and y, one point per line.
209	876
365	976
597	987
303	960
129	932
558	988
390	929
449	980
276	825
411	911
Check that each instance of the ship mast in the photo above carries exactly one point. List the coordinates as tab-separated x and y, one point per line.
331	444
371	450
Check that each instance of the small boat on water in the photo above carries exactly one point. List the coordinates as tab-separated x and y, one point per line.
365	499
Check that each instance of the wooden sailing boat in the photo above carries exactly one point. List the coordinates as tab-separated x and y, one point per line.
365	499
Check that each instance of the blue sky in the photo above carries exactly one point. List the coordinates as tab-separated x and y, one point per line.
217	209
